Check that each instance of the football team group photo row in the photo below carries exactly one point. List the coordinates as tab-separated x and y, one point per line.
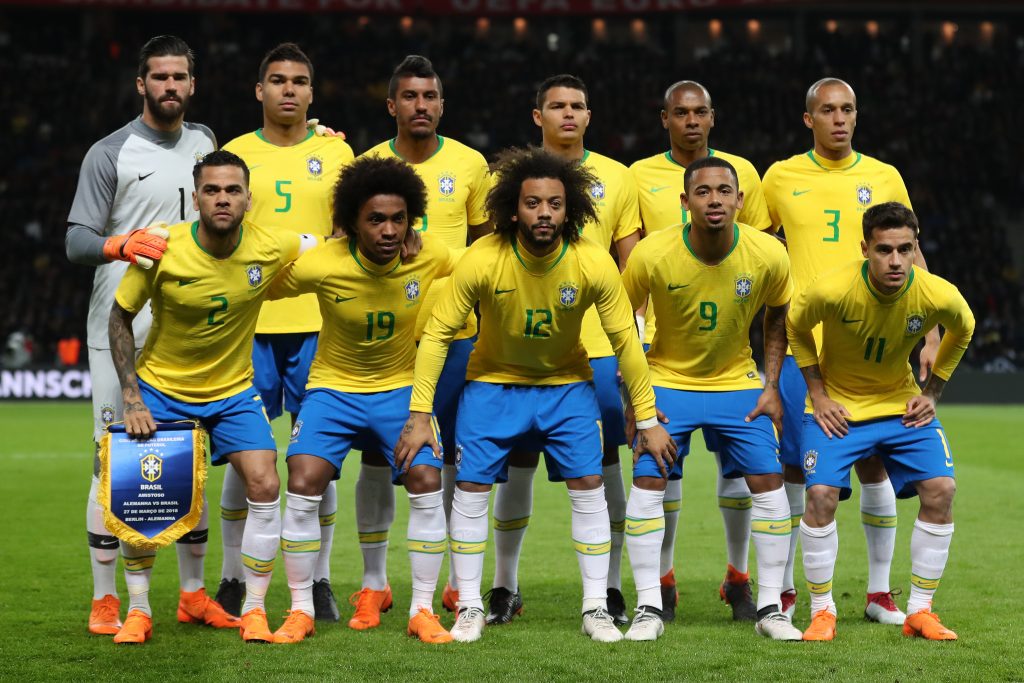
453	319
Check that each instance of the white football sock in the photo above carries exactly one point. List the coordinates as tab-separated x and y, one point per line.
513	505
102	547
734	504
591	535
426	538
191	549
233	511
327	514
821	548
375	511
645	530
795	495
672	504
615	496
878	516
138	568
469	541
259	550
300	547
771	527
448	473
929	550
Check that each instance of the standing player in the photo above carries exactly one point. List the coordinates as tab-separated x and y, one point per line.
457	181
534	280
707	280
361	379
206	295
817	198
563	114
861	391
293	175
135	176
689	117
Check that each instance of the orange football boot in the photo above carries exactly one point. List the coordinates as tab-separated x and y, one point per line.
254	627
105	617
138	628
427	627
926	624
295	628
450	598
823	626
369	604
200	608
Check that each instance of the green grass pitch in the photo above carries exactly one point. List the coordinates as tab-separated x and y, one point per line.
46	585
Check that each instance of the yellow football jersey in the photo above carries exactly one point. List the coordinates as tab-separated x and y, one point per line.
457	182
292	189
204	310
531	311
659	182
618	216
868	336
703	343
368	342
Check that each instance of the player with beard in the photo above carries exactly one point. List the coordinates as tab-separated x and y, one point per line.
456	179
138	175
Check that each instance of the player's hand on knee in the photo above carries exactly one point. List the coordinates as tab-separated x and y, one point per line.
417	433
831	416
656	441
138	421
143	246
768	403
920	411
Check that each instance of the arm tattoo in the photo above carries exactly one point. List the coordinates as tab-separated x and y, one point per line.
774	343
934	387
122	350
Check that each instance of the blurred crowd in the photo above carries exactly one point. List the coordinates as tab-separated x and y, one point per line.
941	111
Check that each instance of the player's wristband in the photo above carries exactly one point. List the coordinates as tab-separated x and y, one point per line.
647	424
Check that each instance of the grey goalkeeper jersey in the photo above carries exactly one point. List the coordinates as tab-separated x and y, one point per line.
132	178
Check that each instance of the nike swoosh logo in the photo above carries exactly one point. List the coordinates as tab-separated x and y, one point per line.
339	299
592	549
659	189
143	177
797	193
504	291
115	542
182	283
634	527
777	527
858	320
253	168
291	546
673	288
459	548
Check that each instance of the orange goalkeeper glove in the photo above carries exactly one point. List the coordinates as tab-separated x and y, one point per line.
142	246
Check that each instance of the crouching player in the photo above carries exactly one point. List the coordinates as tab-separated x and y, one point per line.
707	280
534	279
196	364
360	381
862	399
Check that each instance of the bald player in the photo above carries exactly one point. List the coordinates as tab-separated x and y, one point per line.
688	116
817	199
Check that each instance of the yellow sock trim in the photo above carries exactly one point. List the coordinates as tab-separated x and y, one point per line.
373	536
138	564
642	527
328	520
467	547
772	527
672	505
883	522
234	515
819	588
290	546
735	503
923	583
511	524
428	547
257	565
592	548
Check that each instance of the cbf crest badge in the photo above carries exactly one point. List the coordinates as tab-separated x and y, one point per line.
315	166
446	184
152	466
915	324
810	461
412	289
568	293
864	195
255	274
107	413
597	190
744	286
